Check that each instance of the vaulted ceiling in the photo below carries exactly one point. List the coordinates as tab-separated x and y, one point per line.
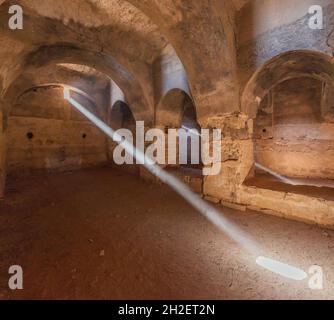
122	39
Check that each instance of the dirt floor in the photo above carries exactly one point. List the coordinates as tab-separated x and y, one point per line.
101	234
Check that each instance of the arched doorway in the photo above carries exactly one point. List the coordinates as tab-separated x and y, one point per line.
121	117
193	132
52	136
291	101
176	110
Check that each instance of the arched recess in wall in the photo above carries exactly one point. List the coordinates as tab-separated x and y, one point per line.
79	95
170	110
90	82
169	73
137	43
176	20
46	133
288	65
101	28
177	110
53	55
291	100
120	116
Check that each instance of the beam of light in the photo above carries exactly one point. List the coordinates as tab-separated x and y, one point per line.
282	269
275	174
192	131
207	210
297	181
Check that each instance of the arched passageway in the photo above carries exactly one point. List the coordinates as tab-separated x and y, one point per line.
52	135
177	110
120	117
291	100
193	131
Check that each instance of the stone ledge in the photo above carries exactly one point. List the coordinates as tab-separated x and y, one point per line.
233	206
288	205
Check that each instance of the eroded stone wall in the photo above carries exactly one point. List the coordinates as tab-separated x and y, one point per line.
229	188
300	142
46	133
267	28
237	157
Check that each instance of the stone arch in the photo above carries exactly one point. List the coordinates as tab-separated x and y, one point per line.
172	20
121	116
52	55
169	73
170	110
54	135
176	20
58	85
58	76
88	85
288	98
79	95
93	26
177	110
288	65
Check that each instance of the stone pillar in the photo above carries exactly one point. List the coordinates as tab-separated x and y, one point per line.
237	161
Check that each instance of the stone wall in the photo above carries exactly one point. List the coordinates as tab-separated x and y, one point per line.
237	157
299	134
229	188
46	133
267	28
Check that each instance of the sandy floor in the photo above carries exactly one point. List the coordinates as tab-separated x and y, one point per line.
102	234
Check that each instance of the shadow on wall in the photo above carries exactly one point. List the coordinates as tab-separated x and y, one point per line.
176	110
193	132
121	117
